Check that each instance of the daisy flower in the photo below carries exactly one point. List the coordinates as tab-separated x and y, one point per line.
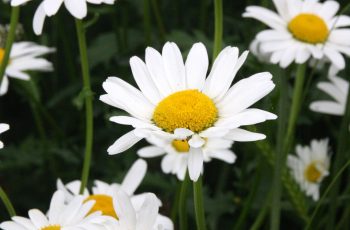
338	89
25	56
3	128
176	101
48	8
175	152
310	166
302	29
60	216
103	194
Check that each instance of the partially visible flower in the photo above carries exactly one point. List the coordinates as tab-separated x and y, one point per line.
175	152
301	30
338	89
61	216
310	166
255	49
48	8
177	101
25	56
3	128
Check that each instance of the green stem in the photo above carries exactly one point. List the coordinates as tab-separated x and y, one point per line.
159	19
262	213
183	202
198	204
88	103
9	41
339	158
5	199
147	21
279	157
218	28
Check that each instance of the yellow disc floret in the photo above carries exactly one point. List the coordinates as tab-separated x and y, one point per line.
309	28
51	227
189	109
2	54
181	146
103	203
312	173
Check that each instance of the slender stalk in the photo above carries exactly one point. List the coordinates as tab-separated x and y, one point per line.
159	19
6	200
343	140
88	103
262	213
218	27
183	203
279	156
9	40
147	21
198	204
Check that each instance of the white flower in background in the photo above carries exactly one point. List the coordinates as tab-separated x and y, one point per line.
178	102
60	216
175	152
3	128
48	8
301	30
255	49
103	194
338	89
24	57
310	166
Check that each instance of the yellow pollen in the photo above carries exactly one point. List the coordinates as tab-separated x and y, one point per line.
312	174
189	109
2	54
181	146
309	28
51	227
103	203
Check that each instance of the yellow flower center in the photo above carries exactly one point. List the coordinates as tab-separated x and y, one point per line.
189	109
2	54
309	28
51	227
181	146
103	203
312	173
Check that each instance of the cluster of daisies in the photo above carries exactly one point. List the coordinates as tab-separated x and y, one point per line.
188	113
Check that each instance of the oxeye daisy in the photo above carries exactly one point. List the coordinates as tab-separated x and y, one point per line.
338	89
302	29
61	216
3	128
48	8
176	101
175	152
24	56
310	166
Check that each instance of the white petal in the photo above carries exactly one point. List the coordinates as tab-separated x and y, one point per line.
327	107
39	19
134	176
38	218
182	133
224	155
266	16
18	2
150	151
51	6
196	141
195	163
4	85
196	66
78	8
329	9
123	143
244	135
124	209
148	213
336	58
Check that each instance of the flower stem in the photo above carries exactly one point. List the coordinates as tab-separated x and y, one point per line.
183	203
218	27
88	103
159	20
198	204
147	21
5	199
9	41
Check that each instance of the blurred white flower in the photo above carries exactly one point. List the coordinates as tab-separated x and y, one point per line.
178	102
303	29
24	57
310	166
61	216
3	128
175	152
48	8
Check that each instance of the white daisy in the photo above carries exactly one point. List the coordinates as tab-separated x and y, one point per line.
175	160
3	128
103	194
177	101
338	89
24	57
303	29
60	216
48	8
310	166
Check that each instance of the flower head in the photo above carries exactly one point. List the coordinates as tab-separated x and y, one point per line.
176	101
3	128
302	29
310	166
